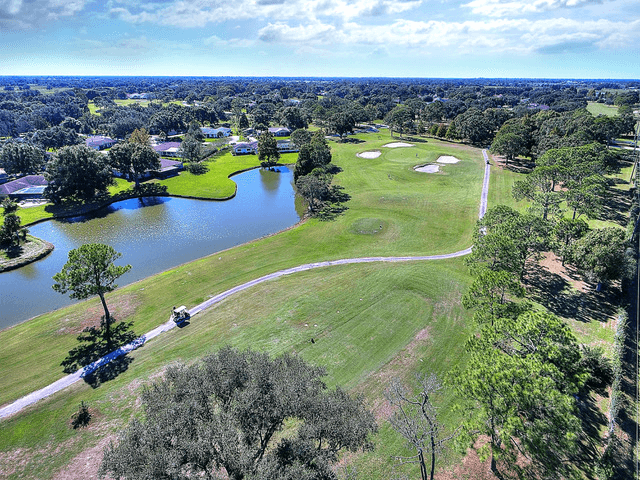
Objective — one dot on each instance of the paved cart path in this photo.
(170, 324)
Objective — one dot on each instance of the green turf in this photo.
(369, 322)
(601, 109)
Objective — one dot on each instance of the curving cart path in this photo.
(74, 377)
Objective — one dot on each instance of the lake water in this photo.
(153, 234)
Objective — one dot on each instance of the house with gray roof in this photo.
(31, 186)
(245, 148)
(168, 149)
(219, 132)
(98, 142)
(279, 131)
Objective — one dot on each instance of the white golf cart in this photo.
(180, 314)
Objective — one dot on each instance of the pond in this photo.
(153, 234)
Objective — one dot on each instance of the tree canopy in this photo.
(133, 159)
(268, 152)
(21, 157)
(77, 172)
(229, 412)
(90, 271)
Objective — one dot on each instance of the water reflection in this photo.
(270, 179)
(153, 235)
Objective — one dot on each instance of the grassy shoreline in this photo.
(33, 249)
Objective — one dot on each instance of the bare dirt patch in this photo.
(397, 145)
(447, 159)
(120, 308)
(431, 168)
(553, 264)
(397, 367)
(86, 464)
(370, 154)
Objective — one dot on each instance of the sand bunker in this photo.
(447, 159)
(398, 144)
(371, 154)
(427, 168)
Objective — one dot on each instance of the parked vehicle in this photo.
(180, 314)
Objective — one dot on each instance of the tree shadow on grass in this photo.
(593, 420)
(107, 372)
(351, 140)
(14, 252)
(104, 363)
(552, 291)
(335, 204)
(616, 206)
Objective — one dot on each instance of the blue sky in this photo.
(359, 38)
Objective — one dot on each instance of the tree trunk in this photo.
(107, 323)
(423, 467)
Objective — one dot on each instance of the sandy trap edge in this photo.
(429, 168)
(397, 144)
(447, 159)
(369, 154)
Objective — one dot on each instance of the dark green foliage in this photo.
(228, 412)
(341, 123)
(506, 239)
(293, 118)
(11, 231)
(314, 189)
(600, 254)
(566, 231)
(82, 418)
(491, 295)
(134, 159)
(77, 172)
(301, 136)
(197, 168)
(520, 383)
(599, 368)
(313, 154)
(268, 152)
(401, 120)
(191, 149)
(21, 157)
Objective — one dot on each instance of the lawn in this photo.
(596, 109)
(369, 322)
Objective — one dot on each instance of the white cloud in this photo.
(232, 42)
(518, 36)
(19, 14)
(498, 8)
(198, 13)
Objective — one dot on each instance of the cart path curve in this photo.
(69, 380)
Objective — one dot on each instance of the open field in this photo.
(601, 109)
(369, 322)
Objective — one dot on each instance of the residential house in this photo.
(219, 132)
(3, 176)
(168, 149)
(98, 142)
(286, 146)
(245, 148)
(168, 168)
(279, 131)
(31, 186)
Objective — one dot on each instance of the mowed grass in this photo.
(369, 322)
(596, 109)
(360, 318)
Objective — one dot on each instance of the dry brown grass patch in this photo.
(120, 307)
